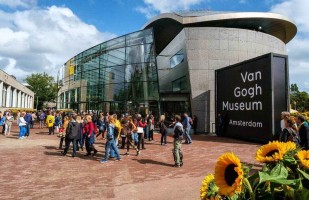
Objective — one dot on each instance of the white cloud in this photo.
(42, 39)
(298, 50)
(153, 6)
(19, 3)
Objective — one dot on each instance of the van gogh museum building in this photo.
(169, 65)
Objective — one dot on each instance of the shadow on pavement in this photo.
(50, 147)
(148, 161)
(42, 133)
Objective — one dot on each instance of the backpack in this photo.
(73, 130)
(178, 132)
(110, 132)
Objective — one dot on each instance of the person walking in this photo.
(8, 124)
(178, 135)
(71, 135)
(110, 142)
(50, 120)
(128, 129)
(89, 131)
(22, 126)
(187, 127)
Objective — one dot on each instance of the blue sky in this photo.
(41, 35)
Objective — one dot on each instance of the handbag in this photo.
(140, 130)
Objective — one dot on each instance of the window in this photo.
(177, 59)
(180, 84)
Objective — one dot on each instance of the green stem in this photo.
(248, 186)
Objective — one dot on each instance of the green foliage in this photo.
(299, 100)
(44, 87)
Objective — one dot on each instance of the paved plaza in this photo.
(34, 169)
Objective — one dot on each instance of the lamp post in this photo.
(37, 101)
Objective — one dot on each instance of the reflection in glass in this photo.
(117, 74)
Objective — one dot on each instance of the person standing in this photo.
(8, 124)
(151, 127)
(42, 119)
(2, 122)
(194, 124)
(303, 132)
(110, 142)
(163, 129)
(64, 127)
(178, 135)
(50, 120)
(289, 133)
(71, 135)
(28, 119)
(58, 122)
(187, 127)
(140, 131)
(22, 126)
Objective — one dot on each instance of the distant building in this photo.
(13, 94)
(169, 66)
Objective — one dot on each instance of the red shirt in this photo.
(89, 128)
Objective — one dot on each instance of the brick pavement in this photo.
(34, 169)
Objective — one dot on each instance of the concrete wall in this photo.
(13, 94)
(209, 49)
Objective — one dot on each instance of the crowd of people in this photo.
(124, 131)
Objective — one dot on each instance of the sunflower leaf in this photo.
(278, 175)
(306, 176)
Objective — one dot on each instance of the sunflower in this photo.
(303, 157)
(228, 174)
(205, 186)
(289, 146)
(272, 152)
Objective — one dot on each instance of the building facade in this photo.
(13, 94)
(181, 52)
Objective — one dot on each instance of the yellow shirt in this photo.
(119, 127)
(50, 120)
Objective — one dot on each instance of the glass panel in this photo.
(177, 59)
(180, 84)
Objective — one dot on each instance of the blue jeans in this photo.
(111, 144)
(89, 143)
(27, 129)
(188, 137)
(22, 131)
(146, 132)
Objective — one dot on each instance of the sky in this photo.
(41, 35)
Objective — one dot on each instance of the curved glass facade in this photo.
(117, 75)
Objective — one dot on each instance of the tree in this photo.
(44, 87)
(299, 100)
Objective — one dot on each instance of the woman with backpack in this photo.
(110, 141)
(289, 133)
